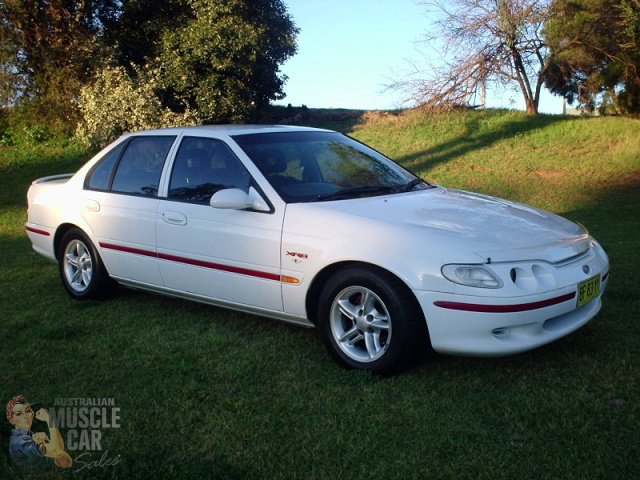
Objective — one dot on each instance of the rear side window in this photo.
(100, 176)
(138, 164)
(139, 169)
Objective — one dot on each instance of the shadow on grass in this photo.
(471, 140)
(613, 218)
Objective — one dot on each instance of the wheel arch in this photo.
(318, 282)
(59, 235)
(100, 285)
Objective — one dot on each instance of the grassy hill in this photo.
(205, 392)
(554, 162)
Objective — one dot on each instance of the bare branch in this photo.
(481, 41)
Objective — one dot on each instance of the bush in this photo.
(31, 122)
(117, 103)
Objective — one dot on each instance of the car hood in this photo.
(495, 230)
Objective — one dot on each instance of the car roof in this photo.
(229, 129)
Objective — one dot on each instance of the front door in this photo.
(227, 255)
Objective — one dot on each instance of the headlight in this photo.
(471, 276)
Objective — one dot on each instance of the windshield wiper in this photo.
(354, 191)
(408, 186)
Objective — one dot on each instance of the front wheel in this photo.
(370, 320)
(82, 272)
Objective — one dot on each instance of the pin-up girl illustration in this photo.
(30, 452)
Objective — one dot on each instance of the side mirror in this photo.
(236, 199)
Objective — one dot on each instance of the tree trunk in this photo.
(532, 106)
(530, 100)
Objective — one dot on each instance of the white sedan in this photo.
(312, 227)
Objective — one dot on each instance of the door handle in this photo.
(174, 218)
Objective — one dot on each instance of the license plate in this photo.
(588, 290)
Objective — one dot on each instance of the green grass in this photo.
(208, 393)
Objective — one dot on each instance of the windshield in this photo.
(320, 166)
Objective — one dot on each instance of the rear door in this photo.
(121, 203)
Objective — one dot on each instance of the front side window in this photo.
(141, 165)
(202, 167)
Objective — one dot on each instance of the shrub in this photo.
(117, 102)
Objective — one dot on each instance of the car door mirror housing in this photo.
(236, 199)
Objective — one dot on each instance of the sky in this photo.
(348, 50)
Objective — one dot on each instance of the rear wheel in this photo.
(370, 320)
(82, 272)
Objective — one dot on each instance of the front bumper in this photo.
(494, 326)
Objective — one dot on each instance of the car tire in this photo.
(368, 319)
(83, 274)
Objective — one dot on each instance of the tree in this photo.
(48, 50)
(482, 42)
(595, 53)
(9, 77)
(219, 57)
(137, 30)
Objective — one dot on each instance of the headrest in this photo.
(196, 157)
(273, 161)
